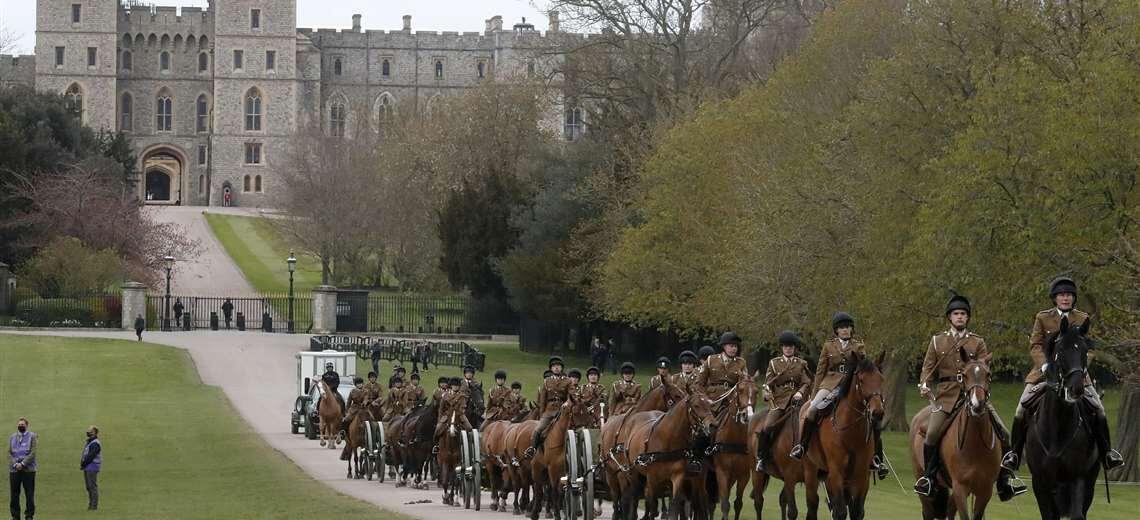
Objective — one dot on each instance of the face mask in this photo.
(22, 428)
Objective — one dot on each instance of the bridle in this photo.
(863, 412)
(983, 384)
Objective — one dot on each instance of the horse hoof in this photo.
(322, 443)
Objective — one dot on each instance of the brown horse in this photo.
(496, 461)
(845, 443)
(780, 465)
(612, 451)
(447, 458)
(394, 449)
(660, 445)
(354, 441)
(330, 413)
(516, 440)
(731, 461)
(415, 439)
(969, 448)
(548, 465)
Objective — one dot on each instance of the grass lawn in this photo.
(260, 252)
(886, 500)
(173, 447)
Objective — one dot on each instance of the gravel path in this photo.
(258, 372)
(213, 273)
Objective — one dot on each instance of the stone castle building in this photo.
(211, 98)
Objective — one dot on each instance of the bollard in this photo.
(213, 321)
(241, 321)
(186, 321)
(266, 322)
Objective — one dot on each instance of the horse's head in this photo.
(662, 397)
(745, 399)
(976, 382)
(867, 382)
(578, 412)
(700, 409)
(1067, 352)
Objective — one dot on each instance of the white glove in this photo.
(798, 396)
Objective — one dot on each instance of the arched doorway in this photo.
(162, 168)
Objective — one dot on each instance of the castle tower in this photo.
(75, 55)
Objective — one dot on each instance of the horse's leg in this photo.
(759, 484)
(982, 498)
(1043, 492)
(811, 491)
(723, 481)
(1077, 499)
(742, 480)
(836, 494)
(788, 510)
(537, 497)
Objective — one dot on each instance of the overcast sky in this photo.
(19, 16)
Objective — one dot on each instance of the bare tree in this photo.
(7, 40)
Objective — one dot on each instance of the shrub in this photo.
(55, 312)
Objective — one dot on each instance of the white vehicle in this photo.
(310, 367)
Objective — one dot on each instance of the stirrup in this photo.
(1113, 459)
(797, 452)
(529, 452)
(1010, 461)
(1011, 488)
(435, 450)
(924, 486)
(761, 466)
(882, 470)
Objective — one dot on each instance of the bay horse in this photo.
(394, 449)
(548, 465)
(516, 440)
(415, 438)
(330, 413)
(496, 462)
(354, 441)
(1060, 448)
(969, 450)
(780, 465)
(612, 451)
(447, 458)
(845, 443)
(660, 445)
(729, 449)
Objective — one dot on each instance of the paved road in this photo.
(213, 273)
(258, 372)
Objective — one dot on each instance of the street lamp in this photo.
(168, 261)
(292, 262)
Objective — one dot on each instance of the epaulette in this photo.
(1046, 312)
(968, 333)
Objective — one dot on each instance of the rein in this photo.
(650, 457)
(862, 415)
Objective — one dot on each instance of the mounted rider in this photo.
(442, 386)
(786, 383)
(1063, 292)
(555, 390)
(686, 379)
(357, 400)
(703, 354)
(941, 383)
(476, 404)
(836, 359)
(393, 405)
(593, 396)
(332, 380)
(497, 399)
(412, 396)
(626, 391)
(722, 371)
(452, 409)
(372, 387)
(397, 371)
(515, 403)
(662, 373)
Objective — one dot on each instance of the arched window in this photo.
(253, 110)
(164, 113)
(385, 109)
(126, 115)
(336, 118)
(74, 97)
(438, 69)
(338, 67)
(385, 68)
(201, 184)
(164, 61)
(202, 114)
(257, 183)
(481, 68)
(127, 58)
(572, 126)
(530, 68)
(245, 184)
(203, 62)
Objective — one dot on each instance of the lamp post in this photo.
(169, 263)
(292, 262)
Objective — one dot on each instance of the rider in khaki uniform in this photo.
(452, 408)
(413, 394)
(626, 391)
(686, 379)
(516, 403)
(1063, 292)
(393, 404)
(835, 359)
(941, 383)
(785, 384)
(372, 387)
(357, 400)
(593, 395)
(497, 399)
(703, 354)
(662, 373)
(555, 390)
(722, 371)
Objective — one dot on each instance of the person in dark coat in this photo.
(140, 324)
(90, 463)
(22, 469)
(178, 308)
(228, 311)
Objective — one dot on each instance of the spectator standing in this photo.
(91, 462)
(376, 353)
(228, 311)
(22, 469)
(140, 324)
(178, 308)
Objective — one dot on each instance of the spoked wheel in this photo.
(381, 466)
(477, 469)
(464, 477)
(369, 453)
(571, 492)
(586, 474)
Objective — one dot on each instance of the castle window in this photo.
(245, 180)
(338, 67)
(202, 153)
(481, 68)
(438, 69)
(239, 57)
(252, 156)
(385, 69)
(74, 99)
(76, 13)
(530, 68)
(91, 56)
(270, 60)
(201, 184)
(164, 113)
(385, 109)
(255, 19)
(202, 114)
(164, 61)
(127, 60)
(59, 56)
(572, 127)
(253, 110)
(126, 117)
(257, 183)
(337, 119)
(203, 62)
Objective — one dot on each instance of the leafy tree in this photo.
(65, 268)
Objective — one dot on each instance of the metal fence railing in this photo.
(436, 315)
(266, 312)
(438, 353)
(97, 309)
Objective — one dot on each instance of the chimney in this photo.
(496, 23)
(553, 25)
(488, 27)
(356, 23)
(407, 23)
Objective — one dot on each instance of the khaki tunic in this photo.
(410, 397)
(943, 364)
(373, 391)
(624, 396)
(392, 405)
(593, 395)
(686, 382)
(555, 391)
(1045, 323)
(497, 402)
(785, 377)
(720, 374)
(655, 381)
(834, 362)
(356, 400)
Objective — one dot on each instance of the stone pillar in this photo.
(356, 23)
(324, 309)
(134, 304)
(553, 21)
(407, 23)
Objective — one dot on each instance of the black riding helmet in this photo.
(546, 374)
(574, 372)
(628, 368)
(415, 376)
(687, 356)
(397, 380)
(839, 319)
(443, 381)
(357, 380)
(555, 360)
(455, 381)
(593, 370)
(500, 374)
(516, 386)
(958, 303)
(729, 337)
(705, 352)
(371, 375)
(662, 362)
(788, 337)
(1062, 284)
(468, 369)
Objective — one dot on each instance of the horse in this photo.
(729, 450)
(660, 445)
(969, 449)
(354, 441)
(612, 451)
(416, 437)
(780, 465)
(548, 464)
(1061, 450)
(447, 457)
(394, 449)
(330, 413)
(845, 443)
(515, 442)
(495, 460)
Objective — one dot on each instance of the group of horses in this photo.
(696, 451)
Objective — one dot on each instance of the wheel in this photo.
(465, 479)
(369, 449)
(571, 494)
(381, 466)
(477, 467)
(310, 429)
(293, 428)
(366, 464)
(587, 475)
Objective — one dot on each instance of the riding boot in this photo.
(1008, 485)
(925, 484)
(1012, 458)
(537, 437)
(763, 442)
(805, 440)
(879, 462)
(1112, 458)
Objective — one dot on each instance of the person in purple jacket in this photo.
(91, 462)
(22, 469)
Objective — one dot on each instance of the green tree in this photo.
(65, 268)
